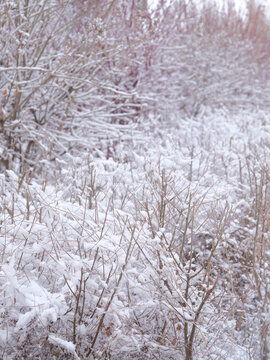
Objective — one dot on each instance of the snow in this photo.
(66, 345)
(115, 238)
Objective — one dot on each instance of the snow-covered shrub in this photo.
(134, 208)
(68, 78)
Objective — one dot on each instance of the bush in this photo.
(134, 200)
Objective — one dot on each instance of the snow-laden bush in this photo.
(134, 208)
(80, 76)
(163, 256)
(68, 78)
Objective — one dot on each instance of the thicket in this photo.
(134, 156)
